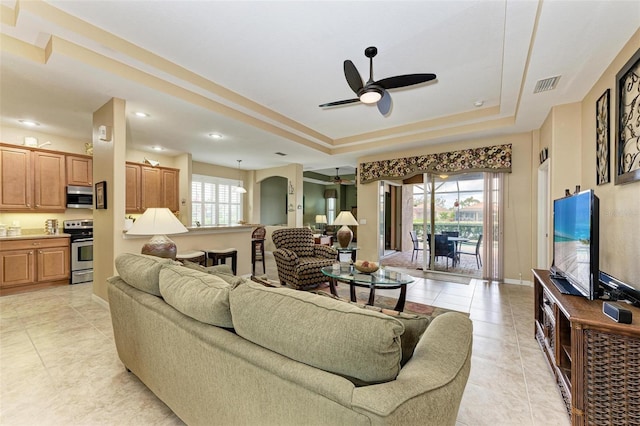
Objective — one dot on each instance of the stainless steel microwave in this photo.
(79, 197)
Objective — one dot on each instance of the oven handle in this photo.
(82, 240)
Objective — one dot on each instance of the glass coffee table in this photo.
(381, 279)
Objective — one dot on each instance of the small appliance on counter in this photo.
(51, 227)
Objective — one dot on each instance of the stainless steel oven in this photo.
(81, 232)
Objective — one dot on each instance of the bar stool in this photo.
(219, 256)
(194, 256)
(257, 248)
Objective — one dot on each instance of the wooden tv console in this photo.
(596, 361)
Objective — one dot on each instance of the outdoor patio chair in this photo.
(416, 245)
(475, 253)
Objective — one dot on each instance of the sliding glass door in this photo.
(452, 221)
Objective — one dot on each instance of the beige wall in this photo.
(619, 204)
(16, 135)
(108, 166)
(518, 223)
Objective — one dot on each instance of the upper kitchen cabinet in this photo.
(32, 180)
(79, 170)
(170, 179)
(151, 187)
(133, 185)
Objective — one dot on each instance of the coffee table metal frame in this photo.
(381, 279)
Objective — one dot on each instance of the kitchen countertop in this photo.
(201, 230)
(34, 236)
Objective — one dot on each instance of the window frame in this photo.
(225, 209)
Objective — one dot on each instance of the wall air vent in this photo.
(282, 154)
(546, 84)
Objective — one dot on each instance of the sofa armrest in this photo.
(429, 388)
(324, 251)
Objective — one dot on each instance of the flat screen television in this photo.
(576, 225)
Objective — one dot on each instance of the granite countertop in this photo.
(32, 234)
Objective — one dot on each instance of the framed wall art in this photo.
(628, 121)
(101, 195)
(602, 139)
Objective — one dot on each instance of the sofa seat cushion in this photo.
(356, 343)
(142, 271)
(201, 296)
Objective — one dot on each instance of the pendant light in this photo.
(240, 188)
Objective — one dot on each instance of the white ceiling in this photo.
(256, 72)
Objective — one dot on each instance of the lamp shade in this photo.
(158, 222)
(345, 218)
(321, 218)
(344, 234)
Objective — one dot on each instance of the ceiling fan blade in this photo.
(384, 104)
(404, 80)
(336, 103)
(353, 76)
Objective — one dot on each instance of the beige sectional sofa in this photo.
(218, 349)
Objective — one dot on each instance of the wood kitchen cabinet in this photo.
(133, 186)
(151, 187)
(32, 180)
(170, 179)
(79, 170)
(33, 263)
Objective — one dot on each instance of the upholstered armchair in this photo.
(299, 259)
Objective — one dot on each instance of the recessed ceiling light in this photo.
(29, 123)
(157, 148)
(215, 135)
(478, 103)
(141, 114)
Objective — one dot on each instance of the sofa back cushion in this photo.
(202, 296)
(141, 271)
(221, 271)
(414, 325)
(359, 344)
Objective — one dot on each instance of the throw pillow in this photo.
(358, 344)
(204, 297)
(414, 325)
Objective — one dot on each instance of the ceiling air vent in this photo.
(546, 84)
(282, 154)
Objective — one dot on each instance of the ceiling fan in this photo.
(338, 180)
(376, 91)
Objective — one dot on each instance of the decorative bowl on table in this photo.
(365, 266)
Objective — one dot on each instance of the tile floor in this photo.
(58, 363)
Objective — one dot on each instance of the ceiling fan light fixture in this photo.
(371, 96)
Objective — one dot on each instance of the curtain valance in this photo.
(495, 159)
(330, 193)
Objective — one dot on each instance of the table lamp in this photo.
(158, 222)
(344, 234)
(321, 219)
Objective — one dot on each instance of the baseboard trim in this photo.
(519, 282)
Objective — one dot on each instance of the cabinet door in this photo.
(18, 268)
(151, 187)
(15, 182)
(132, 202)
(79, 171)
(50, 179)
(53, 263)
(170, 189)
